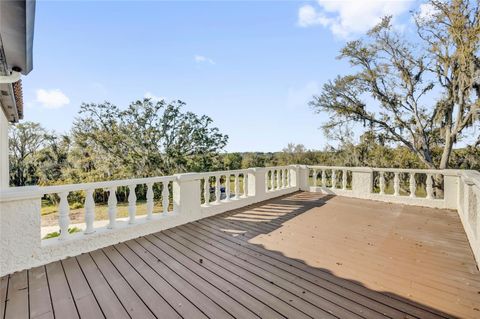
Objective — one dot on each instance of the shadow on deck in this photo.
(298, 256)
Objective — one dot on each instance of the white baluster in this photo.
(324, 178)
(149, 200)
(165, 197)
(245, 185)
(281, 178)
(206, 191)
(217, 189)
(382, 183)
(334, 178)
(112, 207)
(396, 185)
(288, 177)
(227, 187)
(314, 178)
(89, 211)
(413, 185)
(63, 215)
(344, 179)
(132, 204)
(272, 180)
(237, 186)
(429, 186)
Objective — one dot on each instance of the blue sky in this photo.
(252, 66)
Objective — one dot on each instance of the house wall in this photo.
(4, 168)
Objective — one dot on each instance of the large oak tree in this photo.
(421, 92)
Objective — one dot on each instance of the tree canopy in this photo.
(423, 93)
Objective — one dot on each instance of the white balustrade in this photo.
(132, 204)
(461, 191)
(89, 211)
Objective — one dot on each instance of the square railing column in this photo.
(362, 182)
(20, 229)
(256, 183)
(187, 197)
(302, 175)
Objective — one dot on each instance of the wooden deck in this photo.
(299, 256)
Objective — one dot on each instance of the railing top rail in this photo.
(219, 173)
(105, 184)
(393, 170)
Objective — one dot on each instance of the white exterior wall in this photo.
(4, 168)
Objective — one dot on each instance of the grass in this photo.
(54, 234)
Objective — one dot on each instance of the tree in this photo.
(25, 141)
(232, 161)
(145, 139)
(426, 92)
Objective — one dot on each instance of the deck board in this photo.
(304, 255)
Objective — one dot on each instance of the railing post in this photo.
(362, 182)
(450, 185)
(186, 196)
(302, 178)
(256, 182)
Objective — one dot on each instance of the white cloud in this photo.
(345, 18)
(154, 98)
(299, 97)
(52, 99)
(426, 12)
(203, 59)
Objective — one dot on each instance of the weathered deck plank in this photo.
(304, 255)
